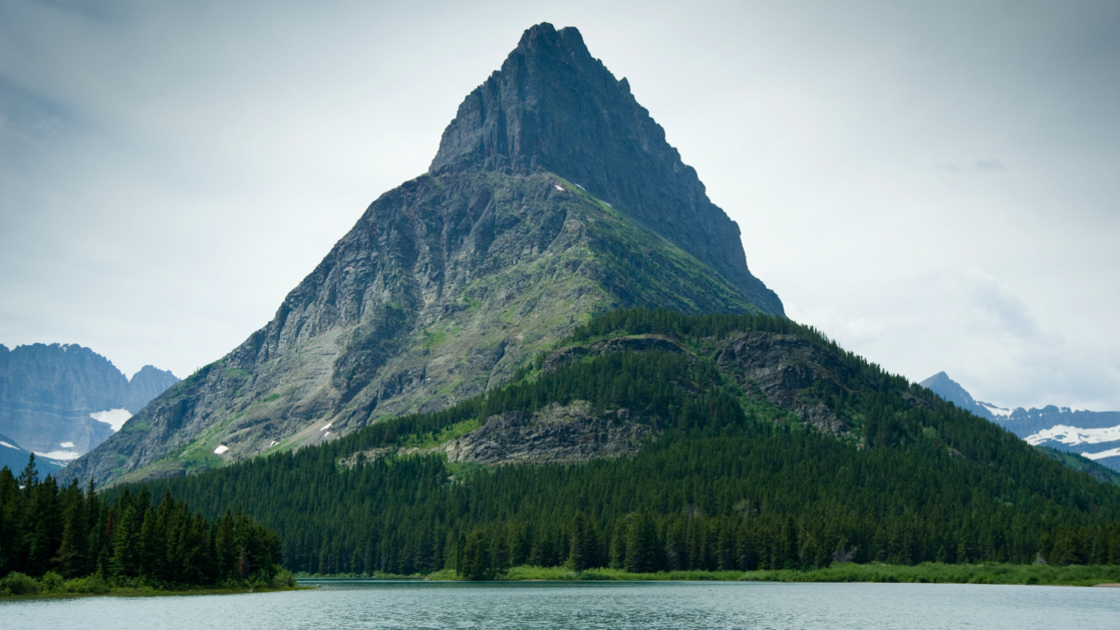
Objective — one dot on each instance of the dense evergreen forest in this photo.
(729, 481)
(70, 534)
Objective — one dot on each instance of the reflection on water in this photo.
(660, 605)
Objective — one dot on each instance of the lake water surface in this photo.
(656, 605)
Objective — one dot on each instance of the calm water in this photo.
(346, 604)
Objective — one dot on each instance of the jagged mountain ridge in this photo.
(452, 281)
(1094, 435)
(47, 393)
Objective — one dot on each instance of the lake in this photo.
(355, 604)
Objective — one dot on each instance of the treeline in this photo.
(67, 533)
(730, 482)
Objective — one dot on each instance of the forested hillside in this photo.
(767, 446)
(67, 534)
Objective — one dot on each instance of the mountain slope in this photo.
(651, 440)
(449, 283)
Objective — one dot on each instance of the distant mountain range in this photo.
(61, 401)
(1094, 435)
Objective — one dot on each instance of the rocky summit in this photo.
(553, 197)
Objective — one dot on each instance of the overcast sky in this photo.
(934, 185)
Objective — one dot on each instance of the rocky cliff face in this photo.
(560, 434)
(47, 393)
(452, 281)
(554, 107)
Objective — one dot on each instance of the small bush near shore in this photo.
(16, 583)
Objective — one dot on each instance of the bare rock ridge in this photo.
(450, 282)
(554, 107)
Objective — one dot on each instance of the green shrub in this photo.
(282, 579)
(16, 583)
(51, 581)
(90, 584)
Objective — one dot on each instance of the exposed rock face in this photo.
(145, 385)
(47, 394)
(560, 434)
(449, 283)
(780, 366)
(554, 107)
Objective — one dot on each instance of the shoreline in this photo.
(926, 573)
(151, 592)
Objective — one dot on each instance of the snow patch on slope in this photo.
(63, 456)
(112, 417)
(1112, 452)
(1074, 435)
(998, 412)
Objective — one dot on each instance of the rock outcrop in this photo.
(559, 434)
(780, 367)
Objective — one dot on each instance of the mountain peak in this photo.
(952, 391)
(553, 107)
(544, 37)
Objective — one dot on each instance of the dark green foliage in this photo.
(55, 534)
(731, 482)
